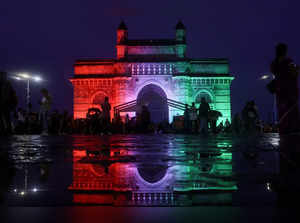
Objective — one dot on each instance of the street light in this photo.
(271, 76)
(27, 77)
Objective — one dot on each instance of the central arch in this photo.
(155, 99)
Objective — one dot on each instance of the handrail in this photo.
(125, 103)
(170, 102)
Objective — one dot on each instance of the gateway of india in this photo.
(152, 72)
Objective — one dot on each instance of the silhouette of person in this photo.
(106, 110)
(203, 115)
(285, 86)
(213, 117)
(8, 103)
(250, 116)
(45, 105)
(186, 120)
(106, 107)
(193, 117)
(237, 124)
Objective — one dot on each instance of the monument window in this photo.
(98, 100)
(203, 95)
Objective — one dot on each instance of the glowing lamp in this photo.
(24, 75)
(37, 78)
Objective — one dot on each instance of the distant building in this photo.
(152, 72)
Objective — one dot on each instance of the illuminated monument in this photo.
(152, 72)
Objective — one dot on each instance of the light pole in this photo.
(266, 77)
(26, 77)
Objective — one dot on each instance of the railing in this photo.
(125, 106)
(132, 106)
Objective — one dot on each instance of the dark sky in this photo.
(46, 37)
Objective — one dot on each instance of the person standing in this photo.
(8, 103)
(45, 105)
(285, 87)
(203, 115)
(193, 118)
(106, 113)
(186, 120)
(237, 124)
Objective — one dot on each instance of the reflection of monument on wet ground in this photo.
(174, 175)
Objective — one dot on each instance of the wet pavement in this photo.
(134, 171)
(142, 170)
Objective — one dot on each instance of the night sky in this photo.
(46, 37)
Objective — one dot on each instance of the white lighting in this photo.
(17, 78)
(24, 75)
(34, 190)
(37, 78)
(15, 190)
(264, 77)
(22, 193)
(269, 187)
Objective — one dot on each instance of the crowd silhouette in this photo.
(201, 120)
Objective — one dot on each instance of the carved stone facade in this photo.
(159, 62)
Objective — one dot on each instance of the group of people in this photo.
(13, 120)
(201, 120)
(197, 119)
(8, 104)
(204, 120)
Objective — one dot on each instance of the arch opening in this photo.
(97, 100)
(155, 99)
(152, 173)
(207, 96)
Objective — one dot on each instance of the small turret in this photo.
(180, 32)
(122, 36)
(180, 40)
(122, 33)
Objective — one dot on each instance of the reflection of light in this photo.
(17, 78)
(274, 141)
(224, 145)
(264, 77)
(269, 187)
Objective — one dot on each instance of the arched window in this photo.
(203, 95)
(98, 100)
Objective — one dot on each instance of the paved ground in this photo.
(159, 176)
